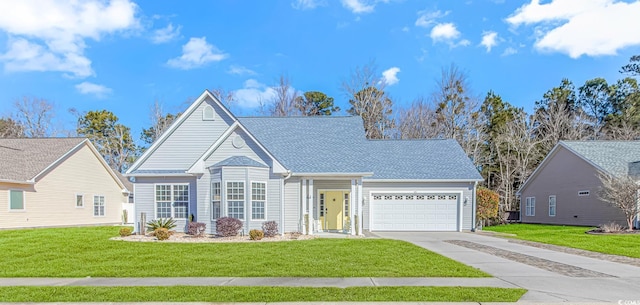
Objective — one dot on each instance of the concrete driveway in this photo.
(550, 276)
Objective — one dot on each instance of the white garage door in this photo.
(414, 212)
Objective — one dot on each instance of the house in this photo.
(49, 182)
(564, 188)
(309, 174)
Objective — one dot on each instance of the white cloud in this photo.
(99, 91)
(390, 76)
(307, 4)
(581, 27)
(427, 18)
(166, 34)
(253, 94)
(196, 53)
(359, 6)
(509, 51)
(51, 35)
(444, 32)
(240, 70)
(489, 40)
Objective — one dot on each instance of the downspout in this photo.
(473, 207)
(282, 201)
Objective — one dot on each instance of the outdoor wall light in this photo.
(466, 199)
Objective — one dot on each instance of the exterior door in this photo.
(333, 210)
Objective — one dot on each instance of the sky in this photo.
(124, 55)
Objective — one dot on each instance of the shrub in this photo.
(227, 226)
(124, 232)
(611, 228)
(166, 223)
(270, 228)
(162, 233)
(256, 234)
(488, 203)
(196, 228)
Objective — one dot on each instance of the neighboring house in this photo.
(128, 208)
(564, 188)
(309, 174)
(49, 182)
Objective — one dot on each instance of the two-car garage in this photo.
(415, 211)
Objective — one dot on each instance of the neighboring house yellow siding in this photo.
(52, 200)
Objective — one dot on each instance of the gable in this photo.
(561, 167)
(188, 137)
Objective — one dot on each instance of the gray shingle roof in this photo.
(22, 159)
(239, 161)
(419, 159)
(311, 144)
(612, 156)
(339, 145)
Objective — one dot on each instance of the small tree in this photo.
(622, 193)
(488, 202)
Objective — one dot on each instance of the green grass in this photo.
(81, 252)
(256, 294)
(574, 237)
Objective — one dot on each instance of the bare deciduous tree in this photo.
(417, 122)
(622, 193)
(35, 115)
(283, 103)
(370, 101)
(227, 98)
(159, 123)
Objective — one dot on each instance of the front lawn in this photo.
(257, 294)
(81, 252)
(574, 237)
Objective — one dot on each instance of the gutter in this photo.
(28, 182)
(361, 174)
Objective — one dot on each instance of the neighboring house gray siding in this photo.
(144, 198)
(187, 143)
(292, 205)
(466, 188)
(563, 175)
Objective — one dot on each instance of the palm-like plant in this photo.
(166, 223)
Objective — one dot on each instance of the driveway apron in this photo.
(549, 276)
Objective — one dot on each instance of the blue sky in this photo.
(123, 55)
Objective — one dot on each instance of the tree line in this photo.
(504, 141)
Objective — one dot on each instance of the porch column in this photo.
(352, 203)
(360, 204)
(311, 214)
(303, 206)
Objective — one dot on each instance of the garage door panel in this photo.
(415, 212)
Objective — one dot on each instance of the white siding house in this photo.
(309, 174)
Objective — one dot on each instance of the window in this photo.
(235, 199)
(346, 204)
(16, 200)
(322, 204)
(215, 200)
(172, 200)
(258, 200)
(530, 206)
(583, 193)
(207, 113)
(79, 201)
(552, 205)
(98, 205)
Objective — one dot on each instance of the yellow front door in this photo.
(334, 205)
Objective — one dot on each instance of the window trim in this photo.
(244, 200)
(530, 204)
(555, 206)
(204, 112)
(24, 201)
(80, 206)
(173, 214)
(219, 182)
(104, 205)
(264, 201)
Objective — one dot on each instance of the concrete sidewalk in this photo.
(549, 276)
(258, 281)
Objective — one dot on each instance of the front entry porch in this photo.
(331, 205)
